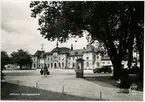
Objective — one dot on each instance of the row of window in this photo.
(55, 58)
(51, 65)
(106, 62)
(73, 58)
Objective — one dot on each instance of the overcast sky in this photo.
(19, 30)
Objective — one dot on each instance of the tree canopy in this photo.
(21, 58)
(5, 59)
(115, 24)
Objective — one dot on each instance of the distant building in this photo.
(62, 57)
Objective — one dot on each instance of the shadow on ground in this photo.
(108, 81)
(105, 81)
(8, 90)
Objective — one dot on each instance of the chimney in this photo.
(71, 46)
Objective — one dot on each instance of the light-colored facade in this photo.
(62, 57)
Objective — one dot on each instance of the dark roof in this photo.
(89, 48)
(77, 52)
(61, 50)
(48, 53)
(38, 53)
(105, 58)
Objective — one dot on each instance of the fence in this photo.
(63, 89)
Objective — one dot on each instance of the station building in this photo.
(65, 58)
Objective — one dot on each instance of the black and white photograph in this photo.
(72, 50)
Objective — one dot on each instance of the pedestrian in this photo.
(41, 71)
(46, 72)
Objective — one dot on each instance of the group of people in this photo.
(44, 71)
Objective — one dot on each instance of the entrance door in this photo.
(55, 65)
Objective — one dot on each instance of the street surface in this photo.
(63, 80)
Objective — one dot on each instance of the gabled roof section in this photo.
(38, 53)
(48, 53)
(77, 52)
(105, 57)
(61, 50)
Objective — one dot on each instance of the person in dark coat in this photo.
(41, 72)
(46, 72)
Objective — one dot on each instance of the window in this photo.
(87, 64)
(103, 62)
(51, 65)
(73, 58)
(97, 57)
(108, 62)
(62, 64)
(98, 64)
(59, 58)
(48, 58)
(73, 64)
(59, 65)
(87, 58)
(48, 65)
(51, 58)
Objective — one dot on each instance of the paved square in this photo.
(64, 80)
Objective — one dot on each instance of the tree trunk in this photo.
(117, 68)
(115, 59)
(130, 49)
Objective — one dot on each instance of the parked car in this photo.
(105, 69)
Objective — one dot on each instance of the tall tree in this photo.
(22, 58)
(4, 61)
(107, 22)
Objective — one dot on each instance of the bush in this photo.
(134, 70)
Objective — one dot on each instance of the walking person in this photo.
(45, 70)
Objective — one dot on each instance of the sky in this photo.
(19, 30)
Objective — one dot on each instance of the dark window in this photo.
(76, 53)
(98, 64)
(62, 64)
(73, 58)
(51, 65)
(73, 65)
(87, 64)
(59, 64)
(87, 57)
